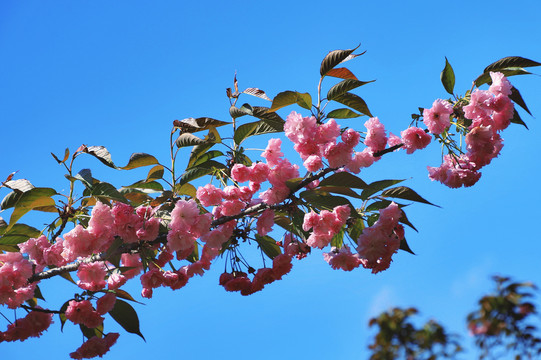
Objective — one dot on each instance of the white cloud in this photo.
(383, 300)
(473, 279)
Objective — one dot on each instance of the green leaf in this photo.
(334, 58)
(90, 333)
(404, 246)
(67, 276)
(338, 239)
(345, 86)
(511, 61)
(192, 125)
(100, 153)
(186, 189)
(188, 139)
(155, 173)
(254, 128)
(124, 314)
(197, 152)
(85, 176)
(484, 78)
(353, 101)
(377, 186)
(268, 246)
(344, 179)
(304, 100)
(36, 198)
(448, 77)
(10, 200)
(66, 156)
(62, 316)
(356, 229)
(293, 184)
(342, 113)
(207, 156)
(125, 295)
(203, 169)
(136, 197)
(151, 186)
(245, 109)
(378, 205)
(343, 190)
(287, 98)
(103, 190)
(324, 202)
(403, 192)
(270, 117)
(517, 98)
(515, 120)
(18, 233)
(139, 160)
(404, 220)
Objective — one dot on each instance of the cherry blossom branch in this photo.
(26, 307)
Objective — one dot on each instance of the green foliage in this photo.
(502, 323)
(399, 338)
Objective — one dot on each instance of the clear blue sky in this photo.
(118, 73)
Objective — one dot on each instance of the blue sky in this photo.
(118, 73)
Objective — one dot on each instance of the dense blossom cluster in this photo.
(489, 111)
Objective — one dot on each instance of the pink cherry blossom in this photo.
(184, 215)
(300, 129)
(95, 346)
(265, 222)
(342, 259)
(394, 140)
(281, 265)
(101, 226)
(375, 139)
(415, 138)
(455, 172)
(240, 173)
(480, 108)
(32, 325)
(209, 195)
(105, 303)
(327, 132)
(259, 172)
(273, 153)
(14, 272)
(126, 222)
(360, 160)
(500, 84)
(313, 163)
(82, 312)
(437, 118)
(92, 276)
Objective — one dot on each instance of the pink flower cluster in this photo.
(489, 111)
(15, 271)
(106, 223)
(325, 225)
(379, 242)
(316, 142)
(276, 170)
(95, 346)
(32, 325)
(342, 258)
(239, 281)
